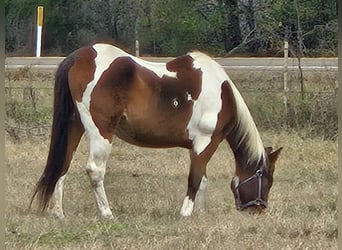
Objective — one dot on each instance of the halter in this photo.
(258, 201)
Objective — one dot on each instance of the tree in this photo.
(310, 26)
(172, 27)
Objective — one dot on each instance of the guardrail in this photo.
(233, 63)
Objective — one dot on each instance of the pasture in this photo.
(146, 187)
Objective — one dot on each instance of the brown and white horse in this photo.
(189, 102)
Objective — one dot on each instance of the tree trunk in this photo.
(232, 34)
(250, 15)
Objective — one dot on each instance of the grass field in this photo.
(146, 188)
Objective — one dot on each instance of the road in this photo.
(233, 63)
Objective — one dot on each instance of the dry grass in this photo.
(146, 187)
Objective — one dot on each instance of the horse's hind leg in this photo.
(100, 149)
(76, 131)
(55, 205)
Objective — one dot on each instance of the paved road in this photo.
(233, 63)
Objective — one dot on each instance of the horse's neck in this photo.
(244, 138)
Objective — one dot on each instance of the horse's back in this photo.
(130, 97)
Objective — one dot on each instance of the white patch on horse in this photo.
(208, 105)
(189, 97)
(200, 196)
(102, 62)
(187, 207)
(56, 203)
(114, 52)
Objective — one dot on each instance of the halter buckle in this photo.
(258, 172)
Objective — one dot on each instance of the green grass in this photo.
(24, 113)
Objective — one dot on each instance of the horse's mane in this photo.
(247, 135)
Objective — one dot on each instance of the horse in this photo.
(189, 102)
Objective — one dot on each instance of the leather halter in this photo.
(258, 201)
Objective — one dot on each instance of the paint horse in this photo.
(189, 102)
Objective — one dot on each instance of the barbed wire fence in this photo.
(310, 111)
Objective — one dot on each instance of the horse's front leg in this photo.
(197, 185)
(197, 180)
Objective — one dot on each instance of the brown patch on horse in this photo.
(107, 105)
(187, 74)
(182, 62)
(82, 71)
(227, 116)
(157, 110)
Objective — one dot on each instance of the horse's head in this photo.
(251, 186)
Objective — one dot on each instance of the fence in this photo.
(310, 107)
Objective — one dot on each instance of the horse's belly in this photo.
(143, 136)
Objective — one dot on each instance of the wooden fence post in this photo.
(286, 89)
(137, 49)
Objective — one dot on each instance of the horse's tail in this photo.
(64, 110)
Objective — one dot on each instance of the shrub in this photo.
(315, 115)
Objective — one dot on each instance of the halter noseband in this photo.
(258, 201)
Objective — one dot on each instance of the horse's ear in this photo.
(268, 150)
(181, 62)
(273, 158)
(274, 155)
